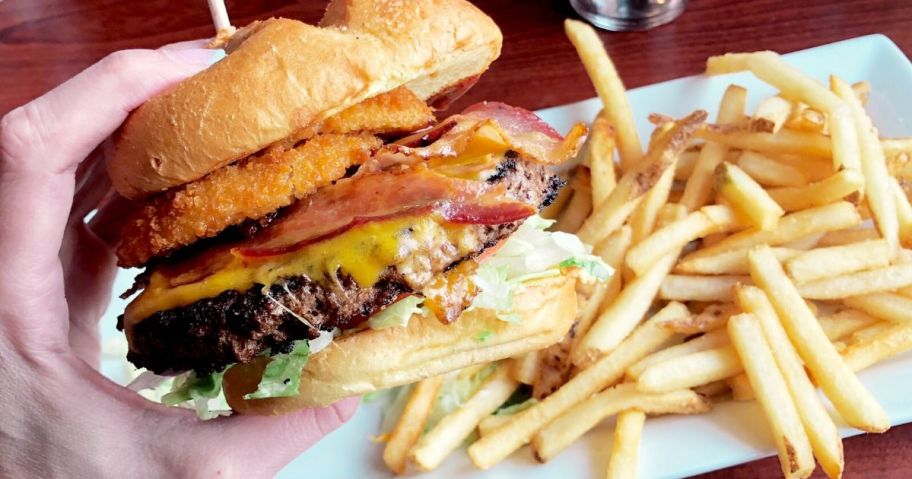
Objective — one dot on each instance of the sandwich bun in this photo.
(283, 77)
(372, 360)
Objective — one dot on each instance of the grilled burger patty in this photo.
(236, 326)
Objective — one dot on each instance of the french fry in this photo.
(700, 288)
(771, 114)
(711, 340)
(411, 424)
(625, 449)
(610, 89)
(838, 260)
(769, 172)
(862, 91)
(803, 117)
(813, 168)
(691, 370)
(580, 204)
(896, 146)
(838, 325)
(903, 213)
(878, 280)
(525, 367)
(643, 219)
(888, 343)
(573, 423)
(888, 306)
(673, 237)
(729, 262)
(819, 426)
(612, 251)
(824, 192)
(687, 161)
(869, 332)
(699, 186)
(710, 319)
(785, 141)
(855, 404)
(848, 236)
(602, 142)
(604, 372)
(713, 389)
(793, 84)
(450, 432)
(806, 243)
(791, 227)
(741, 388)
(795, 454)
(747, 197)
(873, 166)
(490, 423)
(623, 314)
(611, 213)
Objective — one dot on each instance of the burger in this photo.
(309, 231)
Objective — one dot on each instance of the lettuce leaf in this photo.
(282, 376)
(456, 389)
(189, 388)
(531, 253)
(397, 314)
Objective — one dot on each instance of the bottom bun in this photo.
(371, 360)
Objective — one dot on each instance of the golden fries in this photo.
(849, 236)
(525, 367)
(838, 260)
(884, 345)
(791, 227)
(729, 262)
(766, 379)
(888, 306)
(611, 213)
(602, 142)
(568, 427)
(843, 323)
(820, 428)
(865, 282)
(829, 190)
(626, 446)
(610, 89)
(699, 185)
(873, 166)
(604, 372)
(411, 424)
(673, 237)
(771, 114)
(690, 370)
(854, 403)
(769, 172)
(747, 197)
(785, 141)
(711, 318)
(449, 433)
(700, 288)
(580, 204)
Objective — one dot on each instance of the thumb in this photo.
(41, 145)
(263, 445)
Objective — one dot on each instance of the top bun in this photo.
(282, 77)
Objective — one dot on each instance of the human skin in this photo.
(58, 415)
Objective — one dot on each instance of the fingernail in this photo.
(198, 57)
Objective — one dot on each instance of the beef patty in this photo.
(236, 326)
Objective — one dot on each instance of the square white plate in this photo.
(673, 446)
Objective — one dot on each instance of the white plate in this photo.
(673, 446)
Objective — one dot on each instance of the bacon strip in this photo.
(362, 199)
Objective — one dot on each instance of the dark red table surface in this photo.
(43, 42)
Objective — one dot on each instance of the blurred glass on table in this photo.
(622, 15)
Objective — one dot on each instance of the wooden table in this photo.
(43, 42)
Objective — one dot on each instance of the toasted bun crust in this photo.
(283, 76)
(372, 360)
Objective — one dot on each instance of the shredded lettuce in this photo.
(282, 376)
(397, 314)
(531, 253)
(197, 391)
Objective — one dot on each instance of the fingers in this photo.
(265, 444)
(41, 145)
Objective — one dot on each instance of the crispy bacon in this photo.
(365, 198)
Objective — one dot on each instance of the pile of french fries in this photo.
(762, 256)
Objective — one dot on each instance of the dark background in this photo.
(43, 42)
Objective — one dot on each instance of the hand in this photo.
(60, 416)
